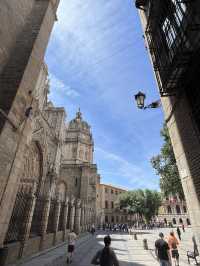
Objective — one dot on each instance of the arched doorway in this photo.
(188, 221)
(174, 221)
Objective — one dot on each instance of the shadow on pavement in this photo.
(113, 239)
(126, 263)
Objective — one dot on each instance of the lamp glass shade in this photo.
(140, 98)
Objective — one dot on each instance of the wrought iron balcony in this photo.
(173, 36)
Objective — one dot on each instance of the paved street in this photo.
(130, 252)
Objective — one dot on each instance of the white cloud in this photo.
(121, 168)
(60, 87)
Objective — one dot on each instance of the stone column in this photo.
(56, 217)
(65, 218)
(82, 218)
(45, 218)
(72, 215)
(49, 185)
(87, 217)
(77, 216)
(26, 223)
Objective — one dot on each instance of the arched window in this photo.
(188, 221)
(169, 210)
(180, 221)
(178, 210)
(184, 209)
(106, 219)
(106, 204)
(174, 221)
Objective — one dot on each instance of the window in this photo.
(188, 221)
(178, 210)
(112, 219)
(180, 10)
(172, 23)
(76, 182)
(184, 209)
(106, 219)
(174, 221)
(169, 31)
(111, 191)
(117, 219)
(106, 204)
(169, 210)
(106, 190)
(112, 204)
(116, 192)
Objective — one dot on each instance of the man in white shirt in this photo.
(71, 245)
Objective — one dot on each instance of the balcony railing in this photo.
(173, 36)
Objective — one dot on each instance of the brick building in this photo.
(172, 35)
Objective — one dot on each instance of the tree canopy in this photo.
(165, 166)
(145, 203)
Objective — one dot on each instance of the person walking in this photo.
(178, 233)
(105, 256)
(162, 251)
(71, 245)
(183, 227)
(173, 244)
(93, 229)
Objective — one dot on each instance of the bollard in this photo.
(135, 236)
(145, 244)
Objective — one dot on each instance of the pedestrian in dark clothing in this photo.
(178, 233)
(105, 256)
(163, 251)
(183, 227)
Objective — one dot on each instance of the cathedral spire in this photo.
(79, 114)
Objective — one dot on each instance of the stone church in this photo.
(48, 182)
(57, 189)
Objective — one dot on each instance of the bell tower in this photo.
(78, 145)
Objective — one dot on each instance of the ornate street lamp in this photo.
(140, 99)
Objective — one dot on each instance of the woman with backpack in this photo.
(105, 256)
(173, 245)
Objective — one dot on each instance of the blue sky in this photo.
(97, 61)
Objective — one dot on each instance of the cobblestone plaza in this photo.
(129, 252)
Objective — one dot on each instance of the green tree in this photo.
(165, 166)
(145, 203)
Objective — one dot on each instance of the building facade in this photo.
(172, 34)
(57, 189)
(110, 207)
(173, 211)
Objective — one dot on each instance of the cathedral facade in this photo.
(58, 187)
